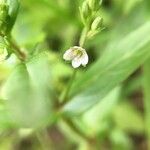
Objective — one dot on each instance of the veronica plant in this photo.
(92, 25)
(43, 98)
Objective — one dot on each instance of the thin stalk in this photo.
(69, 86)
(91, 141)
(146, 86)
(21, 55)
(82, 41)
(75, 129)
(83, 37)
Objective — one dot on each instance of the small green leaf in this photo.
(13, 12)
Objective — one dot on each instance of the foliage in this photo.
(48, 104)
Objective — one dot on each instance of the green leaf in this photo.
(93, 124)
(114, 66)
(120, 140)
(128, 118)
(5, 120)
(28, 93)
(130, 5)
(13, 12)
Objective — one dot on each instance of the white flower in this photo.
(77, 55)
(3, 54)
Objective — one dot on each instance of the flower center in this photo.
(78, 53)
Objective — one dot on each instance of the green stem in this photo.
(146, 85)
(21, 55)
(91, 141)
(83, 37)
(81, 44)
(75, 129)
(69, 86)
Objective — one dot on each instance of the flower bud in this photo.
(94, 4)
(3, 15)
(97, 23)
(85, 10)
(3, 49)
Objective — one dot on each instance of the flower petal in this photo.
(76, 62)
(85, 59)
(68, 55)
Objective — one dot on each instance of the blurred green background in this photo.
(119, 120)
